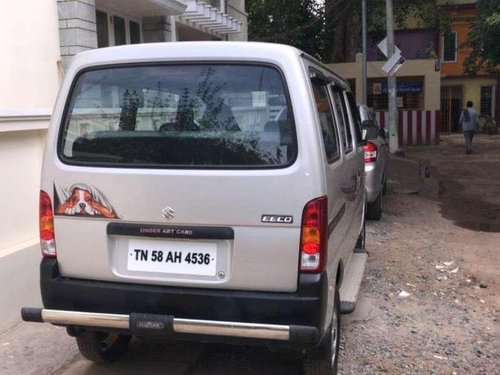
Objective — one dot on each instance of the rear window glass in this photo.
(210, 115)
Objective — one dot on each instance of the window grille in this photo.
(486, 100)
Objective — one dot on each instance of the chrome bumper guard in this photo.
(165, 325)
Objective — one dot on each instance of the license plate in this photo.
(186, 258)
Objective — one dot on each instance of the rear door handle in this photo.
(348, 189)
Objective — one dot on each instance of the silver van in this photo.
(376, 150)
(210, 191)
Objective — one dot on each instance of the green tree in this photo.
(331, 29)
(295, 22)
(484, 39)
(343, 23)
(342, 30)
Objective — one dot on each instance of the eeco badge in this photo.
(278, 219)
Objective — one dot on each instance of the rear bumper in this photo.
(165, 325)
(300, 315)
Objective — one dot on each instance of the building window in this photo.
(116, 30)
(409, 94)
(450, 46)
(119, 29)
(135, 32)
(486, 100)
(102, 29)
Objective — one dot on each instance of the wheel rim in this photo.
(334, 337)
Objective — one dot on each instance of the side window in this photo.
(326, 119)
(358, 129)
(342, 119)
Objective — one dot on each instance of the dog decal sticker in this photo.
(82, 200)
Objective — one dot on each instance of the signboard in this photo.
(382, 46)
(393, 64)
(404, 87)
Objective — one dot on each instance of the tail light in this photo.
(47, 237)
(370, 150)
(313, 243)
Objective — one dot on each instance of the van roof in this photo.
(200, 50)
(192, 50)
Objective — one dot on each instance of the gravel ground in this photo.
(430, 302)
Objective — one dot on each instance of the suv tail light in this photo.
(370, 150)
(47, 237)
(313, 242)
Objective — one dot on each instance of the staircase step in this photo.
(353, 275)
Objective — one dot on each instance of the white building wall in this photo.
(29, 81)
(77, 27)
(236, 9)
(20, 162)
(29, 51)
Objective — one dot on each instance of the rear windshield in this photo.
(204, 115)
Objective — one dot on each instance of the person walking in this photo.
(468, 121)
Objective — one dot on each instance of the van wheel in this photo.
(324, 360)
(374, 209)
(102, 346)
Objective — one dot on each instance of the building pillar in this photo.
(236, 9)
(77, 27)
(158, 29)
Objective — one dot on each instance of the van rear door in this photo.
(180, 174)
(334, 168)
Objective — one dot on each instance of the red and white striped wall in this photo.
(415, 127)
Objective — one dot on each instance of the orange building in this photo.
(456, 87)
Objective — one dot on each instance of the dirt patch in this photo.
(469, 184)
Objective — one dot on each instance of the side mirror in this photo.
(370, 130)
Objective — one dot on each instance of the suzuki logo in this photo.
(168, 213)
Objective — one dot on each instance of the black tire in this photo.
(374, 209)
(324, 360)
(102, 346)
